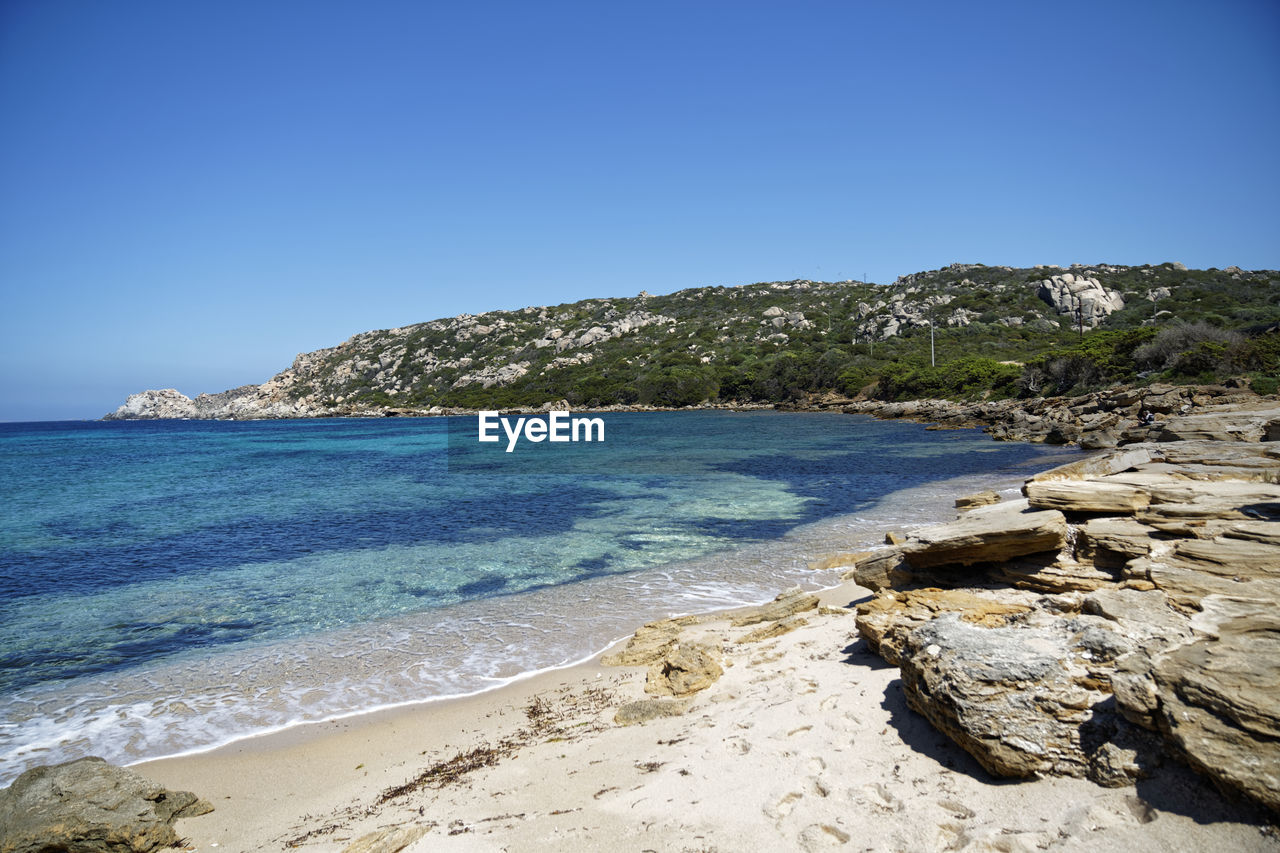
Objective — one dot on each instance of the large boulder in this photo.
(1023, 700)
(89, 806)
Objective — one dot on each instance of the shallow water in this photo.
(169, 586)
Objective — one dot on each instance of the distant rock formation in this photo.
(1125, 609)
(89, 806)
(1083, 299)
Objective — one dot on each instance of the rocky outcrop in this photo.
(1084, 300)
(89, 806)
(1103, 419)
(1146, 626)
(681, 667)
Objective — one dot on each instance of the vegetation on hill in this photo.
(962, 332)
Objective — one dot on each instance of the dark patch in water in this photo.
(486, 585)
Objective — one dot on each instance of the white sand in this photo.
(806, 743)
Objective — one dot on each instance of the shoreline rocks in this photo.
(1136, 620)
(89, 806)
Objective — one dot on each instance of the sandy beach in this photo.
(805, 743)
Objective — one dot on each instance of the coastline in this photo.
(806, 742)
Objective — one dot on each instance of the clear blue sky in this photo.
(192, 192)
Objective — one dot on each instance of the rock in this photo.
(1188, 583)
(773, 629)
(649, 644)
(1054, 574)
(1086, 496)
(987, 534)
(643, 710)
(788, 603)
(1113, 542)
(892, 538)
(886, 619)
(1099, 439)
(1097, 466)
(1217, 701)
(1083, 300)
(1018, 699)
(391, 840)
(837, 560)
(881, 570)
(86, 806)
(684, 670)
(147, 405)
(978, 499)
(1229, 499)
(1225, 423)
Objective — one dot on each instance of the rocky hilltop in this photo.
(768, 342)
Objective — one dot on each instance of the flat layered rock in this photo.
(391, 840)
(1113, 542)
(837, 560)
(1097, 466)
(1188, 582)
(986, 535)
(1225, 423)
(1224, 499)
(788, 603)
(1056, 576)
(771, 630)
(1218, 703)
(1093, 496)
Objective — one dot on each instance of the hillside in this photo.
(998, 332)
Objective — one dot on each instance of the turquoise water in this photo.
(172, 585)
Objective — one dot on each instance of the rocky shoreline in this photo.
(1120, 614)
(1101, 419)
(1097, 420)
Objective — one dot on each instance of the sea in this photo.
(167, 587)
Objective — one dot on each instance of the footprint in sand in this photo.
(780, 809)
(822, 836)
(878, 796)
(960, 810)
